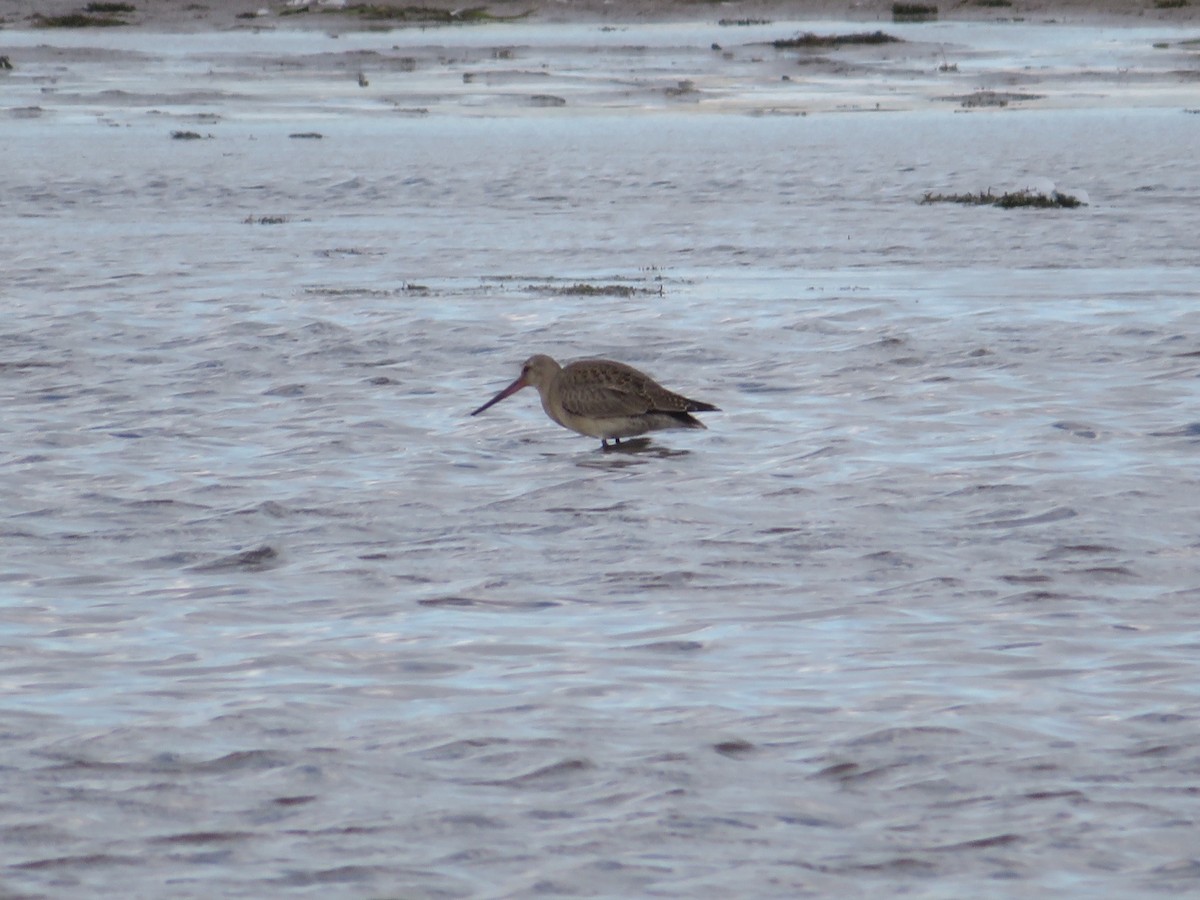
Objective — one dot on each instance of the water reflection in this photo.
(630, 452)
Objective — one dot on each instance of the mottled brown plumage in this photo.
(604, 399)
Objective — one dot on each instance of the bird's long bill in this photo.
(507, 392)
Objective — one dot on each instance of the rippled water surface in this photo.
(915, 615)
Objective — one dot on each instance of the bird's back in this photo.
(603, 388)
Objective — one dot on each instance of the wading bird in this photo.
(603, 399)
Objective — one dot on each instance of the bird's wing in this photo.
(603, 401)
(606, 389)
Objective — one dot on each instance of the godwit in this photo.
(604, 399)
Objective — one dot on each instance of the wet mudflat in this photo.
(915, 614)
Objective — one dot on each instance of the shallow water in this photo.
(914, 615)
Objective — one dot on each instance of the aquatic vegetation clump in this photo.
(583, 289)
(913, 12)
(682, 88)
(1027, 198)
(382, 12)
(999, 99)
(1038, 200)
(76, 20)
(809, 40)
